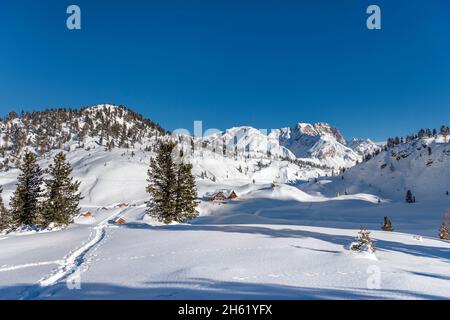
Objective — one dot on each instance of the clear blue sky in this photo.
(267, 64)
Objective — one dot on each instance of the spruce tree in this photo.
(186, 194)
(171, 187)
(25, 200)
(62, 197)
(409, 197)
(387, 226)
(5, 218)
(162, 184)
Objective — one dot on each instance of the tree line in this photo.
(55, 201)
(421, 134)
(42, 202)
(42, 131)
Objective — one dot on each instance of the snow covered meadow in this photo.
(286, 236)
(273, 242)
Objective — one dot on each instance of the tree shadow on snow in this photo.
(331, 213)
(431, 275)
(267, 232)
(415, 250)
(136, 225)
(211, 290)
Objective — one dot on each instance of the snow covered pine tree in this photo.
(25, 200)
(62, 197)
(409, 197)
(171, 187)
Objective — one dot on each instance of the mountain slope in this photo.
(363, 147)
(319, 141)
(422, 166)
(106, 126)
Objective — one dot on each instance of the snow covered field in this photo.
(271, 243)
(286, 236)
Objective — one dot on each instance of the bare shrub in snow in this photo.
(363, 242)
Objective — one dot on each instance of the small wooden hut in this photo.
(219, 196)
(120, 221)
(232, 195)
(87, 214)
(123, 205)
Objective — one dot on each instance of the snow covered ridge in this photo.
(320, 143)
(363, 147)
(106, 125)
(422, 166)
(113, 126)
(323, 143)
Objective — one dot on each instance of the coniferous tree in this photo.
(5, 218)
(171, 187)
(62, 197)
(162, 183)
(409, 197)
(25, 200)
(186, 194)
(387, 226)
(445, 132)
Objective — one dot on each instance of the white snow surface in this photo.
(286, 236)
(276, 241)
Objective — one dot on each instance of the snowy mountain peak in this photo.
(101, 125)
(320, 129)
(319, 141)
(111, 126)
(249, 141)
(363, 147)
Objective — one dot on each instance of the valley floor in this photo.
(268, 244)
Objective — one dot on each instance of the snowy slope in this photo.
(422, 167)
(106, 126)
(248, 141)
(286, 236)
(273, 243)
(363, 147)
(120, 175)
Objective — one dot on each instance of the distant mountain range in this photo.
(109, 144)
(113, 126)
